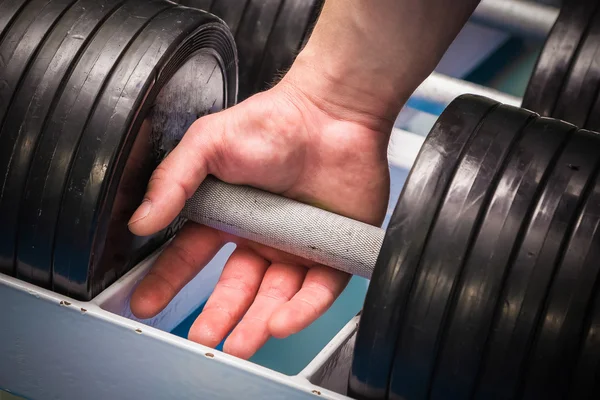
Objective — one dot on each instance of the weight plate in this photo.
(28, 110)
(285, 40)
(9, 9)
(555, 59)
(581, 86)
(557, 342)
(449, 241)
(251, 38)
(522, 300)
(484, 271)
(21, 41)
(83, 257)
(18, 47)
(57, 134)
(230, 11)
(405, 237)
(585, 383)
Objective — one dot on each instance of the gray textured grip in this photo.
(296, 228)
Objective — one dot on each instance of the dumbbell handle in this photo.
(288, 225)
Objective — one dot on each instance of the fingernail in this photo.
(141, 213)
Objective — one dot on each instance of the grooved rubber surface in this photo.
(251, 38)
(92, 186)
(19, 46)
(488, 262)
(448, 244)
(405, 238)
(29, 110)
(557, 55)
(521, 303)
(583, 81)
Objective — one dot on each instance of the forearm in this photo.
(368, 56)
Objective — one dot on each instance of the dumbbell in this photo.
(268, 34)
(84, 85)
(485, 282)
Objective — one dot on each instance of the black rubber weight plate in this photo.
(447, 245)
(404, 241)
(21, 41)
(521, 303)
(55, 121)
(285, 40)
(230, 11)
(30, 28)
(9, 9)
(82, 263)
(581, 86)
(555, 59)
(562, 323)
(585, 384)
(29, 108)
(251, 38)
(502, 225)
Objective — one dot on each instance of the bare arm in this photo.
(370, 55)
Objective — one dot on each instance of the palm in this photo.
(287, 145)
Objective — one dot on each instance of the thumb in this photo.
(176, 178)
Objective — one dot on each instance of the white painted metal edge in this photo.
(92, 315)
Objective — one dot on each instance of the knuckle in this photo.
(238, 285)
(274, 293)
(183, 256)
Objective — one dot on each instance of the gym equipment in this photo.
(77, 143)
(268, 34)
(444, 224)
(476, 168)
(553, 64)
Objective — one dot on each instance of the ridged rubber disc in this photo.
(58, 133)
(230, 11)
(19, 45)
(562, 323)
(469, 321)
(521, 302)
(404, 241)
(251, 38)
(29, 108)
(9, 9)
(95, 206)
(552, 67)
(448, 244)
(581, 86)
(285, 39)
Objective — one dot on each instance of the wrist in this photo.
(343, 93)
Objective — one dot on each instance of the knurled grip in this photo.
(288, 225)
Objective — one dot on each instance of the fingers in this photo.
(233, 294)
(176, 179)
(319, 290)
(280, 283)
(193, 247)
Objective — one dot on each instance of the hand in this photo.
(285, 141)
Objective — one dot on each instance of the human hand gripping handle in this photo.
(320, 137)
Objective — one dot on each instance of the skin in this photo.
(320, 136)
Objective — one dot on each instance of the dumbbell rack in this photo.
(55, 347)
